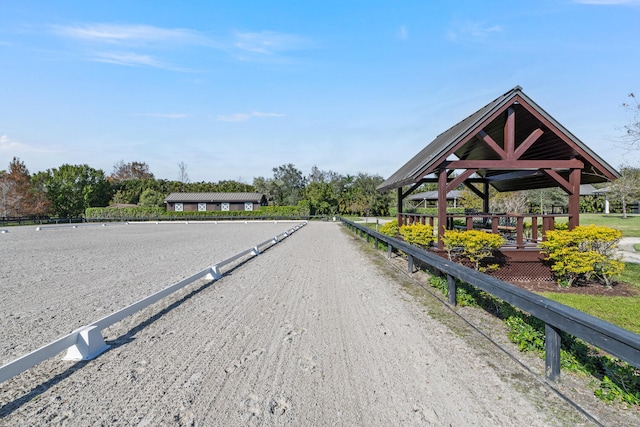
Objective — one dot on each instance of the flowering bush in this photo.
(390, 228)
(417, 234)
(475, 245)
(584, 252)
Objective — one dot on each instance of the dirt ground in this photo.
(317, 330)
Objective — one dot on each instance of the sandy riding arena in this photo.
(314, 331)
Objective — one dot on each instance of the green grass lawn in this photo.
(621, 311)
(630, 226)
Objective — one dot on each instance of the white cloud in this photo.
(259, 114)
(243, 117)
(268, 42)
(472, 31)
(7, 144)
(163, 115)
(135, 37)
(16, 148)
(130, 59)
(129, 34)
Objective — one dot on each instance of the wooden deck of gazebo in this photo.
(519, 230)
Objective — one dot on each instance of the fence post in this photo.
(451, 288)
(410, 264)
(552, 350)
(90, 344)
(375, 243)
(389, 250)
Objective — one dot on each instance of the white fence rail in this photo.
(87, 342)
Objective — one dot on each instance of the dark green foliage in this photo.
(618, 381)
(152, 213)
(74, 188)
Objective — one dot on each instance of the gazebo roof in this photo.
(508, 142)
(433, 195)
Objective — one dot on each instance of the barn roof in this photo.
(214, 197)
(466, 141)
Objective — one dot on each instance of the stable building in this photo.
(205, 202)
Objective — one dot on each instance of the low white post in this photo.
(214, 273)
(255, 250)
(89, 344)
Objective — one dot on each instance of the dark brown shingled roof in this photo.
(213, 197)
(462, 141)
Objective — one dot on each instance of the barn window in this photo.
(224, 206)
(248, 206)
(202, 207)
(178, 207)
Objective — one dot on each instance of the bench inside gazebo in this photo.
(511, 144)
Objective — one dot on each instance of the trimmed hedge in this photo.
(148, 213)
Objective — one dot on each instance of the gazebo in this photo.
(509, 144)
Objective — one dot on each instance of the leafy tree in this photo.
(234, 187)
(151, 198)
(73, 188)
(626, 188)
(128, 191)
(322, 198)
(131, 170)
(511, 202)
(16, 195)
(286, 188)
(359, 196)
(288, 185)
(322, 191)
(542, 200)
(469, 200)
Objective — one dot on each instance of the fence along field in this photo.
(557, 317)
(87, 342)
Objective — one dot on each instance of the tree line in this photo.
(67, 191)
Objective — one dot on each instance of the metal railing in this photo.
(557, 317)
(86, 342)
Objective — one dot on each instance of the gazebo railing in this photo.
(517, 228)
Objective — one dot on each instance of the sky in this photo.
(233, 89)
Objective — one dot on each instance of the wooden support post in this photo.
(534, 228)
(442, 206)
(399, 201)
(495, 221)
(485, 199)
(520, 232)
(451, 288)
(552, 352)
(510, 134)
(547, 225)
(375, 242)
(469, 223)
(389, 250)
(574, 199)
(410, 264)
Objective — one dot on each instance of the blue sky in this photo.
(236, 88)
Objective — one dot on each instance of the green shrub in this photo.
(475, 245)
(584, 252)
(390, 228)
(417, 234)
(147, 213)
